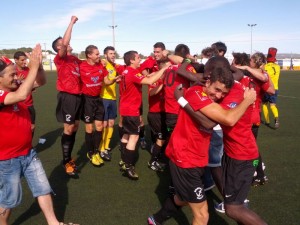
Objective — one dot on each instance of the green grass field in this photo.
(102, 196)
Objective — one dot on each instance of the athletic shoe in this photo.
(131, 173)
(94, 159)
(99, 158)
(151, 221)
(121, 163)
(105, 155)
(257, 182)
(72, 163)
(276, 120)
(156, 166)
(221, 209)
(108, 149)
(209, 188)
(70, 169)
(143, 143)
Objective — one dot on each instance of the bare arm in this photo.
(25, 89)
(155, 90)
(41, 78)
(155, 76)
(193, 77)
(108, 81)
(67, 37)
(257, 73)
(271, 89)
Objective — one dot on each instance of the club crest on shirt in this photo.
(95, 79)
(232, 105)
(100, 71)
(140, 76)
(201, 95)
(1, 92)
(15, 108)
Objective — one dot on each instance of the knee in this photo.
(201, 217)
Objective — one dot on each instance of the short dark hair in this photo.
(159, 45)
(241, 58)
(182, 50)
(89, 49)
(130, 55)
(218, 69)
(108, 48)
(209, 52)
(18, 54)
(54, 44)
(220, 46)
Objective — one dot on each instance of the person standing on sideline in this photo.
(22, 72)
(273, 69)
(69, 96)
(93, 74)
(109, 98)
(130, 102)
(17, 157)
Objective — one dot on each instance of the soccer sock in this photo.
(66, 144)
(266, 112)
(259, 169)
(89, 142)
(97, 139)
(167, 211)
(129, 157)
(142, 131)
(73, 142)
(109, 134)
(155, 152)
(121, 132)
(122, 150)
(103, 141)
(274, 110)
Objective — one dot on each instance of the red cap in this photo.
(4, 62)
(271, 57)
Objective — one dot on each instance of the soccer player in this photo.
(130, 101)
(17, 157)
(273, 70)
(189, 142)
(22, 72)
(69, 95)
(93, 74)
(109, 96)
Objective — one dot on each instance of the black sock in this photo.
(121, 132)
(97, 139)
(167, 211)
(89, 142)
(73, 142)
(142, 131)
(122, 150)
(259, 169)
(155, 152)
(66, 144)
(129, 157)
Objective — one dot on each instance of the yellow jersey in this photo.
(109, 91)
(273, 70)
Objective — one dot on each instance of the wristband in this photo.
(186, 60)
(182, 102)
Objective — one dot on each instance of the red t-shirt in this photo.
(156, 102)
(29, 100)
(131, 92)
(15, 129)
(189, 144)
(68, 76)
(239, 141)
(92, 77)
(171, 81)
(149, 64)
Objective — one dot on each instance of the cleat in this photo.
(143, 143)
(121, 163)
(156, 166)
(130, 172)
(94, 159)
(70, 169)
(105, 155)
(276, 123)
(257, 182)
(108, 149)
(99, 158)
(73, 164)
(151, 221)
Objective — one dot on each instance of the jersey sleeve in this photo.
(197, 98)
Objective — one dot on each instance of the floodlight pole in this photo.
(251, 26)
(113, 26)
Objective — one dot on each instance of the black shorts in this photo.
(188, 183)
(237, 179)
(31, 110)
(131, 124)
(157, 123)
(92, 109)
(68, 107)
(171, 120)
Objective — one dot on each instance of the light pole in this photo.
(251, 26)
(113, 26)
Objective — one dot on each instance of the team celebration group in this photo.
(204, 120)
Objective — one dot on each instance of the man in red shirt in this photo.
(17, 157)
(130, 102)
(22, 72)
(93, 74)
(189, 142)
(69, 96)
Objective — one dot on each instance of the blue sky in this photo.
(141, 23)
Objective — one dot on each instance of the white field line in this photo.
(284, 96)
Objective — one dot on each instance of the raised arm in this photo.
(256, 73)
(155, 76)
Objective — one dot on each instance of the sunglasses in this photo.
(4, 62)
